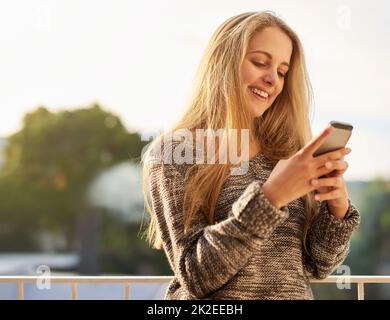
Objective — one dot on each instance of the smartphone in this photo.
(338, 139)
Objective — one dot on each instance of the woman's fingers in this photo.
(328, 188)
(334, 194)
(340, 166)
(336, 182)
(333, 155)
(316, 142)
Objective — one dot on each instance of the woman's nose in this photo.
(270, 78)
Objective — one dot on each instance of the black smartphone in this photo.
(338, 139)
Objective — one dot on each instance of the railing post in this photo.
(74, 291)
(20, 290)
(127, 291)
(360, 290)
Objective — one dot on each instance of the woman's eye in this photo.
(258, 64)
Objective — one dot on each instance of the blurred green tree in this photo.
(371, 239)
(48, 166)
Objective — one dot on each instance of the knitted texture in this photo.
(253, 250)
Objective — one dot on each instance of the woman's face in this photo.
(264, 68)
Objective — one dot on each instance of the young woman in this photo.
(264, 233)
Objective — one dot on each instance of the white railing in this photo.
(359, 280)
(128, 280)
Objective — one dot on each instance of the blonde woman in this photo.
(265, 233)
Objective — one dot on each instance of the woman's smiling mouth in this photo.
(258, 94)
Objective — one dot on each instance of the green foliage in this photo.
(122, 252)
(384, 220)
(50, 163)
(374, 209)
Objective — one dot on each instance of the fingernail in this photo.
(317, 197)
(314, 182)
(348, 150)
(328, 165)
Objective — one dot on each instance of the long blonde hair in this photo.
(215, 103)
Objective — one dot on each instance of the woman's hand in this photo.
(332, 188)
(291, 179)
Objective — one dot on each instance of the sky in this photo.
(137, 60)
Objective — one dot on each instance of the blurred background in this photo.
(85, 84)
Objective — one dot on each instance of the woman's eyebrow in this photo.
(268, 55)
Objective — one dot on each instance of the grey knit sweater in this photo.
(254, 250)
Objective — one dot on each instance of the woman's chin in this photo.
(257, 111)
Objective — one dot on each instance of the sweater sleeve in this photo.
(329, 240)
(208, 256)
